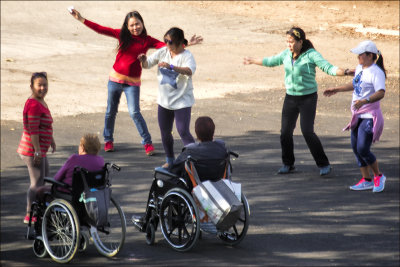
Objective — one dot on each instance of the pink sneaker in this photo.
(26, 219)
(379, 183)
(149, 148)
(109, 146)
(362, 185)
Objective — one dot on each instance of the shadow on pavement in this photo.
(298, 219)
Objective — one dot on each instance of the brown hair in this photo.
(204, 128)
(91, 143)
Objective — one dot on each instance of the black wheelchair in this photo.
(172, 206)
(63, 226)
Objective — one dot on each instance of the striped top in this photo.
(37, 120)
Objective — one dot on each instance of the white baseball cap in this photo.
(366, 46)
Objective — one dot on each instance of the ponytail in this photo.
(379, 62)
(306, 45)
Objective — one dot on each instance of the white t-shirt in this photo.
(366, 82)
(175, 90)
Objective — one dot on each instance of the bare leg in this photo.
(365, 172)
(375, 168)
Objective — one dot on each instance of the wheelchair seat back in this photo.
(95, 179)
(211, 169)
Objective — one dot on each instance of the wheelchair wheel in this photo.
(60, 231)
(237, 232)
(150, 234)
(178, 216)
(109, 239)
(38, 247)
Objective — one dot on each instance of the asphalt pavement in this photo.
(299, 219)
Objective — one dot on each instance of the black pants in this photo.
(306, 106)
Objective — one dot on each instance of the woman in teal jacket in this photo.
(300, 60)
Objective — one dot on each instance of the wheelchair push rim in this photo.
(60, 231)
(110, 239)
(178, 218)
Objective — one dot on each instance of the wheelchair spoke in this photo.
(178, 220)
(235, 230)
(185, 231)
(60, 231)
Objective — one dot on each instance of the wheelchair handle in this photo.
(236, 155)
(115, 167)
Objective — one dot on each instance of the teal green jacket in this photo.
(300, 76)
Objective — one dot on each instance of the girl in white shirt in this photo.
(366, 124)
(176, 65)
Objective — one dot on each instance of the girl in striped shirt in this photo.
(37, 137)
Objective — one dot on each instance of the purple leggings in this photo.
(166, 120)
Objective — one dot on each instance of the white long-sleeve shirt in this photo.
(175, 90)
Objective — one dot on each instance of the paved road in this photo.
(299, 219)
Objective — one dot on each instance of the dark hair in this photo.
(378, 62)
(125, 35)
(36, 75)
(204, 128)
(177, 36)
(298, 34)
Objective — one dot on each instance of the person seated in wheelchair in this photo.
(210, 160)
(87, 158)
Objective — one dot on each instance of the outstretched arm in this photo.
(334, 90)
(195, 40)
(346, 72)
(94, 26)
(77, 15)
(250, 60)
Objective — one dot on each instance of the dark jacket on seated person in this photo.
(210, 159)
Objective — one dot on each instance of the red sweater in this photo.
(37, 120)
(126, 62)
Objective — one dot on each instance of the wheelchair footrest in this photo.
(30, 233)
(208, 227)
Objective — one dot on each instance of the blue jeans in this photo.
(361, 140)
(132, 94)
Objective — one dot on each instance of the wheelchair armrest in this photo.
(161, 170)
(55, 182)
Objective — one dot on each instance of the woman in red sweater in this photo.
(125, 75)
(37, 137)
